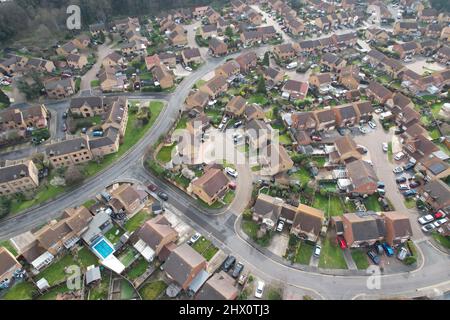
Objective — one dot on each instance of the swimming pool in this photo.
(103, 248)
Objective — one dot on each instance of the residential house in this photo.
(325, 119)
(274, 159)
(308, 223)
(398, 227)
(219, 287)
(68, 152)
(346, 116)
(12, 63)
(218, 47)
(169, 59)
(322, 23)
(236, 106)
(77, 61)
(407, 49)
(208, 31)
(333, 62)
(229, 69)
(273, 76)
(108, 143)
(82, 41)
(436, 194)
(407, 117)
(443, 55)
(296, 90)
(258, 133)
(112, 60)
(197, 99)
(250, 38)
(183, 265)
(67, 49)
(152, 61)
(163, 76)
(21, 119)
(378, 92)
(97, 28)
(427, 14)
(19, 177)
(305, 121)
(59, 89)
(110, 81)
(211, 186)
(126, 198)
(200, 12)
(321, 81)
(349, 77)
(346, 150)
(363, 178)
(377, 35)
(178, 38)
(254, 112)
(40, 65)
(363, 230)
(419, 148)
(191, 55)
(9, 267)
(285, 52)
(364, 110)
(212, 16)
(405, 28)
(247, 61)
(215, 86)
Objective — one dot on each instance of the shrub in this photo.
(410, 260)
(247, 215)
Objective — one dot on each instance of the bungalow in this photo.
(284, 51)
(229, 69)
(346, 116)
(77, 61)
(363, 178)
(247, 61)
(436, 194)
(183, 265)
(163, 76)
(363, 230)
(378, 92)
(191, 55)
(407, 49)
(236, 106)
(398, 227)
(157, 233)
(58, 89)
(219, 287)
(218, 47)
(308, 223)
(296, 90)
(211, 186)
(325, 119)
(215, 86)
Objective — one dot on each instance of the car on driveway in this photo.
(400, 180)
(362, 130)
(280, 226)
(317, 250)
(403, 186)
(372, 124)
(342, 242)
(388, 249)
(428, 227)
(408, 166)
(426, 219)
(373, 256)
(152, 187)
(259, 289)
(229, 263)
(237, 270)
(399, 156)
(440, 222)
(409, 193)
(385, 147)
(398, 170)
(231, 172)
(194, 239)
(440, 214)
(414, 184)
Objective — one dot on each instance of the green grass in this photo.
(260, 99)
(95, 83)
(410, 203)
(136, 221)
(165, 153)
(8, 246)
(6, 88)
(182, 180)
(320, 161)
(372, 203)
(251, 229)
(389, 152)
(436, 108)
(434, 134)
(444, 241)
(181, 124)
(214, 114)
(55, 272)
(133, 134)
(87, 258)
(52, 293)
(229, 196)
(256, 168)
(21, 291)
(270, 115)
(360, 259)
(138, 269)
(205, 248)
(302, 175)
(331, 256)
(304, 253)
(127, 257)
(44, 193)
(153, 290)
(89, 203)
(331, 205)
(215, 205)
(199, 83)
(111, 235)
(100, 291)
(285, 139)
(443, 147)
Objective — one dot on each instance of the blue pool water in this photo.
(103, 248)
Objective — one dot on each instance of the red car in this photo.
(152, 187)
(439, 215)
(342, 242)
(232, 185)
(316, 138)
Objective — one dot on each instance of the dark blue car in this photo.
(374, 257)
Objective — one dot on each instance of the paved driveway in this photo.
(102, 51)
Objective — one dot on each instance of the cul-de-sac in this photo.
(225, 150)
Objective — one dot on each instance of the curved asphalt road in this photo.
(221, 225)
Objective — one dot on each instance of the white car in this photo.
(385, 147)
(212, 102)
(372, 124)
(362, 130)
(188, 69)
(398, 170)
(224, 120)
(231, 172)
(317, 250)
(280, 226)
(195, 238)
(425, 219)
(440, 222)
(399, 156)
(259, 289)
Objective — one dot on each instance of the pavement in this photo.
(102, 51)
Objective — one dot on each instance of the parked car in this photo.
(428, 227)
(237, 124)
(399, 156)
(426, 219)
(408, 166)
(372, 124)
(163, 196)
(385, 147)
(231, 172)
(398, 170)
(380, 185)
(402, 253)
(194, 239)
(280, 226)
(188, 69)
(373, 256)
(378, 248)
(440, 222)
(362, 130)
(152, 187)
(342, 242)
(242, 279)
(237, 270)
(403, 186)
(259, 289)
(409, 193)
(317, 250)
(316, 138)
(400, 179)
(440, 214)
(229, 262)
(388, 249)
(414, 184)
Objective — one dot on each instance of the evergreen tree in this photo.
(261, 87)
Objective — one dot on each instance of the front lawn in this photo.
(56, 273)
(8, 246)
(95, 83)
(229, 196)
(372, 203)
(153, 290)
(21, 291)
(331, 256)
(444, 241)
(205, 248)
(251, 229)
(360, 259)
(410, 203)
(165, 153)
(136, 221)
(44, 193)
(304, 253)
